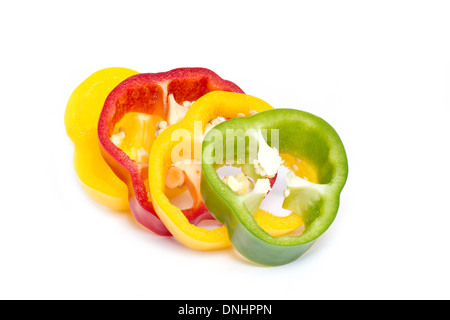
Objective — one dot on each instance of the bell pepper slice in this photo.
(191, 129)
(300, 135)
(80, 120)
(164, 97)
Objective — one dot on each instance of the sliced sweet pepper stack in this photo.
(80, 120)
(300, 135)
(158, 100)
(166, 153)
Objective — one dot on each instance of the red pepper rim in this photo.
(148, 93)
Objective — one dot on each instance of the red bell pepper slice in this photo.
(148, 93)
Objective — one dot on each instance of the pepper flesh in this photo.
(203, 111)
(301, 135)
(80, 120)
(149, 94)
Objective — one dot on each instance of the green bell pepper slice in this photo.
(301, 135)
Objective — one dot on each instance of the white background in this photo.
(378, 71)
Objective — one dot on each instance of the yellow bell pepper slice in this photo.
(81, 119)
